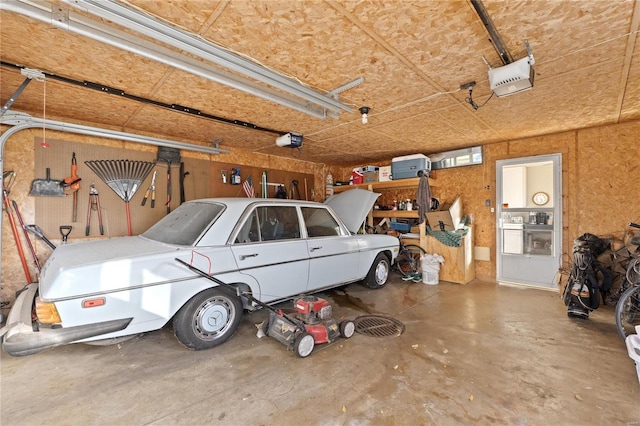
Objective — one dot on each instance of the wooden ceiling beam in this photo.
(628, 57)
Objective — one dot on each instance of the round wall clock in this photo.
(540, 198)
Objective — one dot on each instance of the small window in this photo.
(457, 158)
(320, 223)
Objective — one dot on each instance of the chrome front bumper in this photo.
(19, 339)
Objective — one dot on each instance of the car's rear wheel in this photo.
(379, 272)
(208, 319)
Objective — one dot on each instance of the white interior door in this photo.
(529, 220)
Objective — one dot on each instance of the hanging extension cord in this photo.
(470, 85)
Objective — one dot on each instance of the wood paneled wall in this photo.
(20, 156)
(599, 189)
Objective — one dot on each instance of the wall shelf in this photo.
(459, 266)
(406, 214)
(391, 184)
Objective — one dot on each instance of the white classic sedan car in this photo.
(105, 291)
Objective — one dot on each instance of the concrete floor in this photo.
(481, 354)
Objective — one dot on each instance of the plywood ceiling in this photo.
(413, 56)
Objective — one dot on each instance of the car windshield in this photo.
(185, 224)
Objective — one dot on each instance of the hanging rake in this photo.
(124, 177)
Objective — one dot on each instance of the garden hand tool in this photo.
(8, 178)
(94, 204)
(72, 185)
(152, 190)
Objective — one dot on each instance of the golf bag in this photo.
(588, 278)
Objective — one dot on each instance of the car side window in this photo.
(320, 223)
(270, 223)
(250, 231)
(278, 223)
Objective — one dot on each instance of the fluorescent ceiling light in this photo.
(22, 121)
(84, 26)
(145, 24)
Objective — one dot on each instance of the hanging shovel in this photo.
(65, 230)
(47, 187)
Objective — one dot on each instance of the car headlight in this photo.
(47, 312)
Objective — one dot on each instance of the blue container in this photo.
(401, 227)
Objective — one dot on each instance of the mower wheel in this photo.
(208, 319)
(347, 328)
(379, 272)
(303, 345)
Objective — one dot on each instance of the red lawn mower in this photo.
(310, 324)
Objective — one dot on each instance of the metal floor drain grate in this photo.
(378, 326)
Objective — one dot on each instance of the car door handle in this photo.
(315, 248)
(244, 256)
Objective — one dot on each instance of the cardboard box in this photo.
(384, 174)
(448, 215)
(408, 166)
(371, 176)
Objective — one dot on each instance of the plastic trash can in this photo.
(430, 266)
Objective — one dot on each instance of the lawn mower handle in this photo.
(236, 291)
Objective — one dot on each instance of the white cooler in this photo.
(408, 166)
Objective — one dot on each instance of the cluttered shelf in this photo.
(391, 184)
(408, 214)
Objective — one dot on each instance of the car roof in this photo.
(231, 201)
(350, 206)
(234, 209)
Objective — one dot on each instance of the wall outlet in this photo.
(482, 253)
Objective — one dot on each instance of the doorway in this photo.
(529, 220)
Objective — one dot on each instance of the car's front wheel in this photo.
(379, 272)
(208, 319)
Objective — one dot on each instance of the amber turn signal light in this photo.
(47, 312)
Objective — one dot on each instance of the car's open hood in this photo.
(353, 206)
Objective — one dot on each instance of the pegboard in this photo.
(53, 212)
(222, 187)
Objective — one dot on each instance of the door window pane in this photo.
(319, 222)
(269, 223)
(249, 232)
